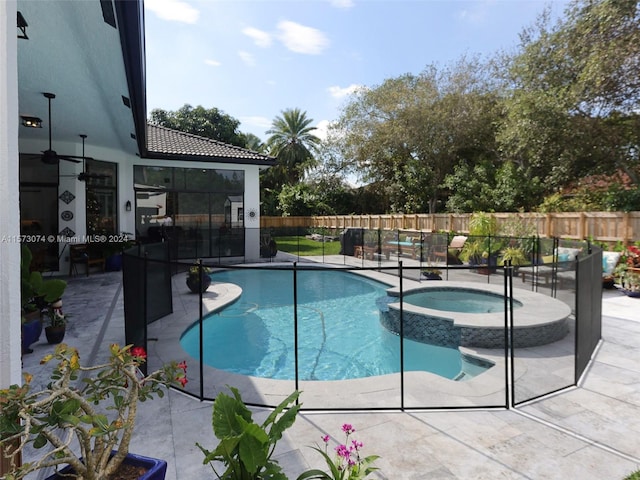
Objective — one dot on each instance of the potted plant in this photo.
(91, 407)
(198, 279)
(431, 273)
(628, 271)
(482, 247)
(56, 325)
(515, 255)
(37, 294)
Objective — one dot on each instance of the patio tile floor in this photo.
(589, 432)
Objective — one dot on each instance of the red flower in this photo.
(183, 366)
(139, 352)
(182, 380)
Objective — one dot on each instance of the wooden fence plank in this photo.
(608, 227)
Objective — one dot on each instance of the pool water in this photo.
(459, 300)
(339, 331)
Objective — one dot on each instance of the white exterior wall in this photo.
(10, 349)
(252, 204)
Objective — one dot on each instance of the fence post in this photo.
(295, 323)
(145, 309)
(401, 332)
(201, 327)
(509, 353)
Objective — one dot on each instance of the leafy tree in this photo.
(209, 123)
(300, 200)
(293, 144)
(575, 93)
(253, 142)
(408, 133)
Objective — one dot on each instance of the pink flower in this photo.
(356, 445)
(348, 428)
(343, 451)
(325, 438)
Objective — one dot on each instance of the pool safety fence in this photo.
(538, 340)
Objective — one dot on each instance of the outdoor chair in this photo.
(449, 254)
(83, 254)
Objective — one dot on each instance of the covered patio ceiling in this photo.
(73, 52)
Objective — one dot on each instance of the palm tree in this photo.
(292, 143)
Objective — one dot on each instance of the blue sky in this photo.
(254, 58)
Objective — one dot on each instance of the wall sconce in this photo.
(127, 206)
(32, 122)
(22, 27)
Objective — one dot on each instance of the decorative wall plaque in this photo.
(67, 232)
(67, 197)
(67, 215)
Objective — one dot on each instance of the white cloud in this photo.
(247, 58)
(173, 10)
(322, 129)
(340, 92)
(302, 39)
(213, 63)
(341, 3)
(260, 37)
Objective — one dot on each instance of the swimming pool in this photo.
(459, 300)
(339, 330)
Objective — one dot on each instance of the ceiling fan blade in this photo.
(79, 157)
(69, 158)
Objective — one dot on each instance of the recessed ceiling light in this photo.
(32, 122)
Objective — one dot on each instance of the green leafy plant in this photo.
(194, 269)
(94, 407)
(515, 255)
(56, 318)
(472, 251)
(36, 291)
(245, 447)
(482, 224)
(346, 464)
(431, 271)
(627, 269)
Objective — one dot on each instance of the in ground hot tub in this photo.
(471, 315)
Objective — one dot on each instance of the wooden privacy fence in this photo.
(608, 227)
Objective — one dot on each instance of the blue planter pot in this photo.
(30, 334)
(113, 263)
(156, 468)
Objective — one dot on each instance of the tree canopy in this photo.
(503, 133)
(209, 123)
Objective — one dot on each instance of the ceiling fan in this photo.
(50, 156)
(84, 175)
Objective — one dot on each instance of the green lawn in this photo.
(306, 246)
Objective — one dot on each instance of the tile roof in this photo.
(167, 143)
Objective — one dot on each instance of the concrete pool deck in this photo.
(588, 432)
